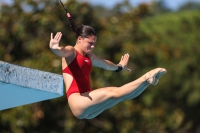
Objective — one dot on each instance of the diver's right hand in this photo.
(54, 42)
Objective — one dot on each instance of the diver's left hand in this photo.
(124, 62)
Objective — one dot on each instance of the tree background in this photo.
(154, 37)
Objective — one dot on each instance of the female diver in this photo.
(77, 62)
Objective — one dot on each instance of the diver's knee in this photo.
(113, 93)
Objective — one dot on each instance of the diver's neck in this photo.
(77, 48)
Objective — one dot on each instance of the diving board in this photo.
(20, 85)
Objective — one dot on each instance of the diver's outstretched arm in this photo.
(108, 65)
(58, 50)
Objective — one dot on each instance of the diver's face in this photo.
(88, 43)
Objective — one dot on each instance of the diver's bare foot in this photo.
(152, 77)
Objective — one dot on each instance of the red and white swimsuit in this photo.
(79, 69)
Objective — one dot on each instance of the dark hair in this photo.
(83, 31)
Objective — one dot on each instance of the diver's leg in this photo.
(86, 104)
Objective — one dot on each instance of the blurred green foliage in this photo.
(152, 35)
